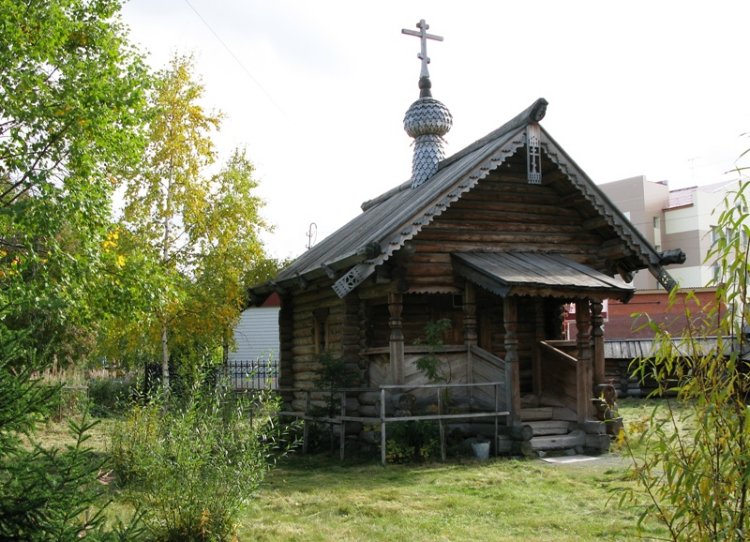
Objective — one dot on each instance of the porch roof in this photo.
(537, 274)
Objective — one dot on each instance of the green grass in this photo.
(504, 499)
(309, 498)
(315, 498)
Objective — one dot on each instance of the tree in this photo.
(71, 100)
(229, 254)
(166, 201)
(200, 232)
(695, 470)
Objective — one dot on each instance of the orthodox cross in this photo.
(423, 36)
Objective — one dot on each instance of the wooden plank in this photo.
(549, 427)
(531, 414)
(480, 214)
(451, 227)
(558, 442)
(540, 239)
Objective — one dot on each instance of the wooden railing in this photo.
(338, 415)
(487, 367)
(560, 376)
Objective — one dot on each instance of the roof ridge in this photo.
(534, 113)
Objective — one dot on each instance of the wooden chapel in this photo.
(499, 240)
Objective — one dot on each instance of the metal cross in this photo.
(423, 36)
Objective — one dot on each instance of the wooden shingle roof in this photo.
(390, 220)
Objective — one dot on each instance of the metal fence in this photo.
(252, 374)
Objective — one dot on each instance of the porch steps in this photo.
(549, 427)
(538, 413)
(547, 413)
(545, 430)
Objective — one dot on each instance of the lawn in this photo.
(504, 499)
(317, 498)
(310, 498)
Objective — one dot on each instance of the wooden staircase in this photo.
(547, 431)
(552, 430)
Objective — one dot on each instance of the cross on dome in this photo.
(423, 36)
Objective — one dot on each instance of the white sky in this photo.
(657, 88)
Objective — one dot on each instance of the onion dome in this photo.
(427, 120)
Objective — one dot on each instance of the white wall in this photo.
(690, 277)
(256, 337)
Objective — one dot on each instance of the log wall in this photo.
(503, 213)
(340, 337)
(419, 310)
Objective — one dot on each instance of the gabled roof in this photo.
(390, 220)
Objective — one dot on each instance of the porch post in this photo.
(584, 384)
(395, 307)
(470, 327)
(536, 361)
(286, 343)
(512, 377)
(597, 331)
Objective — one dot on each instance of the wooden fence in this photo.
(387, 415)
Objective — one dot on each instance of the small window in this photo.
(320, 330)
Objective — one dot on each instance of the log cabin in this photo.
(497, 240)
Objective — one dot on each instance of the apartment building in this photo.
(683, 218)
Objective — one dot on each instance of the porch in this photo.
(481, 400)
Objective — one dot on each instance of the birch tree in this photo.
(201, 230)
(168, 198)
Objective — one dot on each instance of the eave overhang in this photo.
(538, 275)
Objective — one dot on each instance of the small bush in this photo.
(109, 396)
(412, 442)
(194, 462)
(64, 401)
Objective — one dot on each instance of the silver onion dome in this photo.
(427, 120)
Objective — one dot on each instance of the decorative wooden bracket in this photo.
(663, 277)
(533, 154)
(353, 278)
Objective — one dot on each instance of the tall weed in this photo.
(194, 462)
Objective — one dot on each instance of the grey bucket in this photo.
(481, 450)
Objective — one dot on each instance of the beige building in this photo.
(671, 219)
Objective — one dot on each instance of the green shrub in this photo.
(412, 442)
(430, 363)
(108, 396)
(53, 494)
(65, 401)
(692, 459)
(193, 462)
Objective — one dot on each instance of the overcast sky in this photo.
(316, 90)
